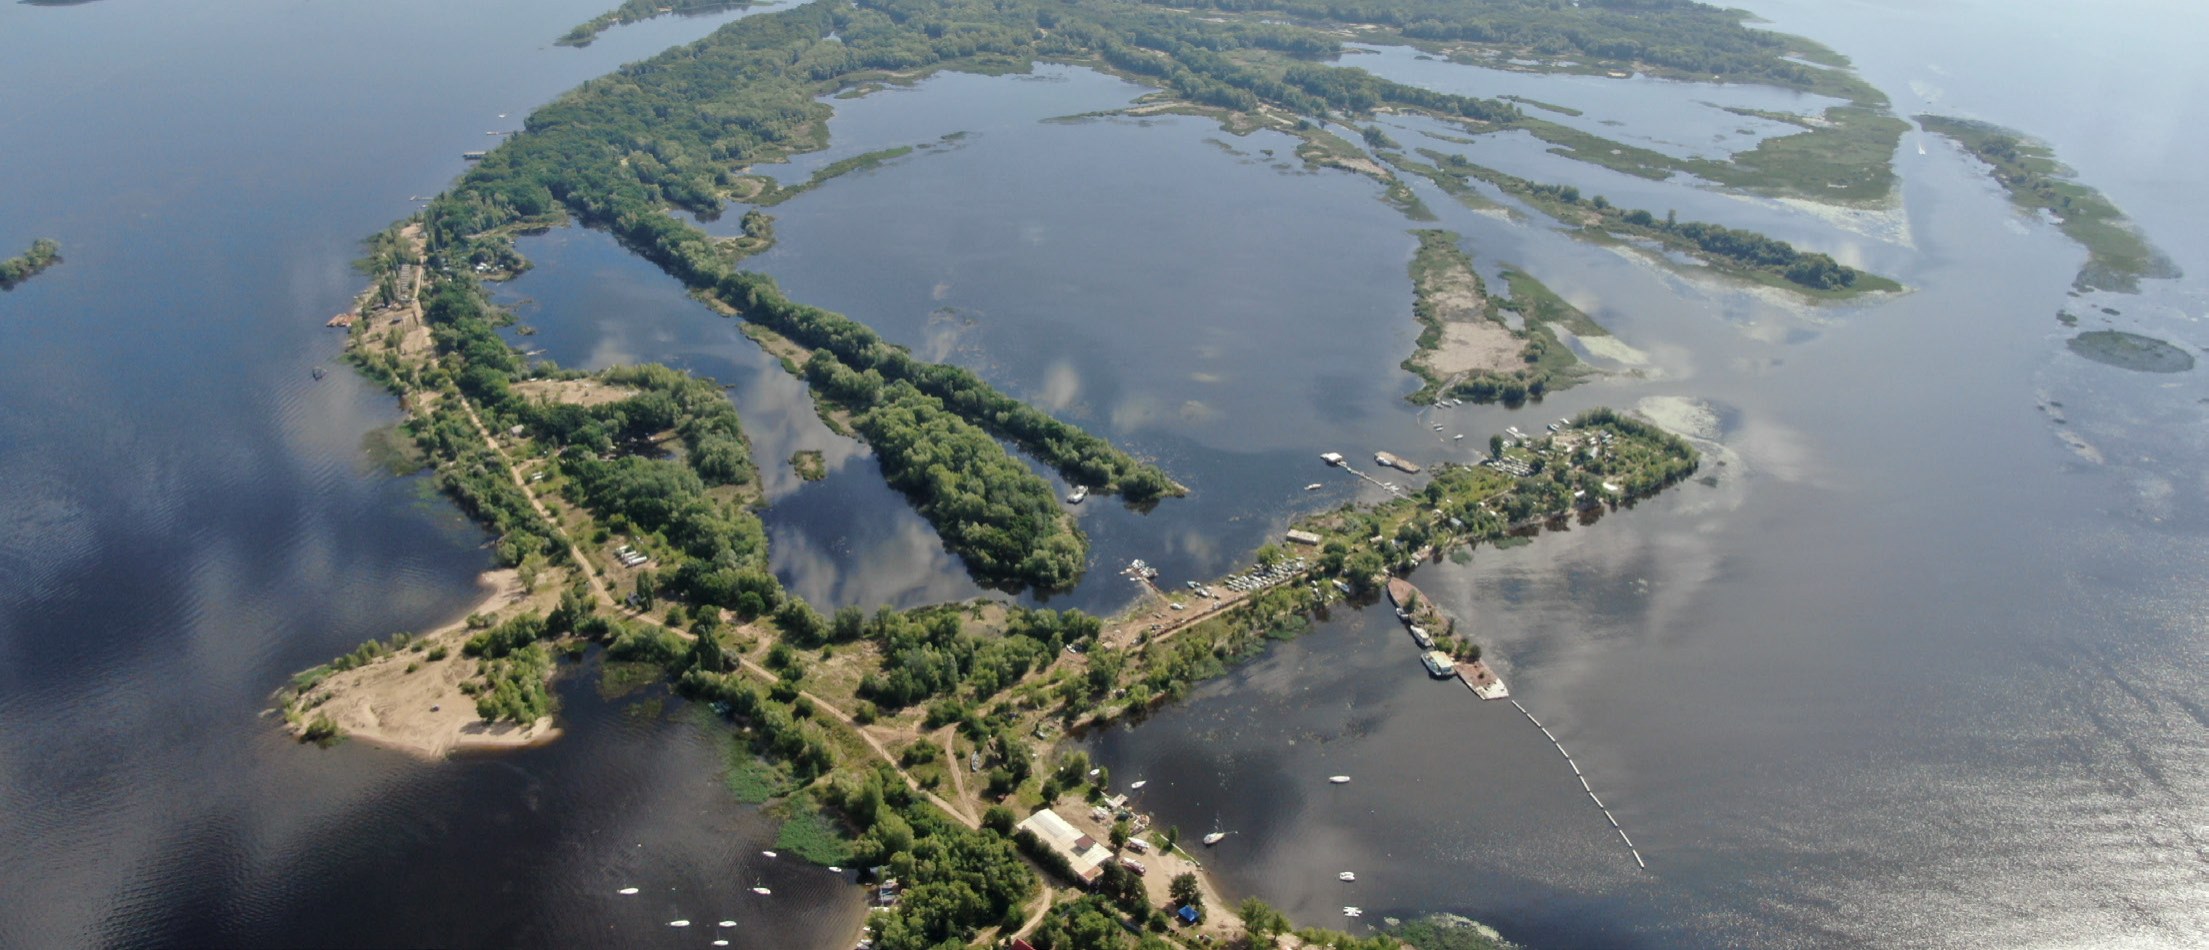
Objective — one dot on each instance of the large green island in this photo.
(624, 502)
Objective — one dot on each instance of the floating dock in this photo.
(1396, 462)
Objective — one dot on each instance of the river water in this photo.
(1910, 669)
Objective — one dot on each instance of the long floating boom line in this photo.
(1584, 786)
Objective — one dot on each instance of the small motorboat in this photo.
(1312, 487)
(1353, 912)
(1138, 783)
(761, 891)
(1079, 493)
(678, 923)
(626, 890)
(726, 923)
(1347, 876)
(1214, 837)
(768, 853)
(1339, 779)
(318, 372)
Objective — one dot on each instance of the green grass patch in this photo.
(812, 835)
(753, 780)
(618, 678)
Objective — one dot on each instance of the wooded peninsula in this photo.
(2118, 256)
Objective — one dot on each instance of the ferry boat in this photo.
(1075, 497)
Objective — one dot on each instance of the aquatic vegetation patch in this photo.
(2144, 354)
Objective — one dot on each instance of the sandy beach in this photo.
(424, 712)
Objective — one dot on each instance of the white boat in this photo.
(761, 891)
(626, 890)
(1075, 497)
(1339, 779)
(678, 923)
(1214, 837)
(1346, 876)
(768, 853)
(727, 923)
(1312, 487)
(1138, 783)
(1352, 912)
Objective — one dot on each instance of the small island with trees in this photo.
(1732, 251)
(43, 253)
(1468, 348)
(2118, 256)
